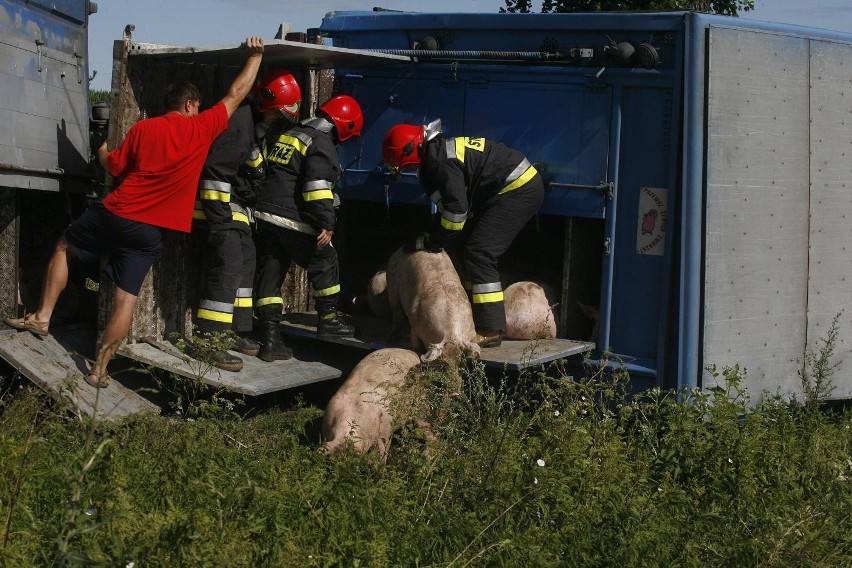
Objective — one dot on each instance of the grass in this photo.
(536, 470)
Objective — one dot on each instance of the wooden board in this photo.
(373, 333)
(48, 364)
(257, 377)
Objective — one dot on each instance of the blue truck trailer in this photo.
(698, 171)
(697, 174)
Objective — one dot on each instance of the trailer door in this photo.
(564, 129)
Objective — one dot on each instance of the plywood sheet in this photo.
(373, 333)
(257, 377)
(47, 363)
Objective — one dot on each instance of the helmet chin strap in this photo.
(432, 130)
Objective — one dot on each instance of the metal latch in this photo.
(605, 187)
(39, 43)
(607, 246)
(79, 67)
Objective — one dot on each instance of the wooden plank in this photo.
(49, 365)
(373, 333)
(257, 377)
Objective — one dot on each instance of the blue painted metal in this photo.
(586, 122)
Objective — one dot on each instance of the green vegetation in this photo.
(724, 7)
(98, 96)
(530, 471)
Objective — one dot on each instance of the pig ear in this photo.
(435, 351)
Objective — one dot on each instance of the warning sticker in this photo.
(651, 224)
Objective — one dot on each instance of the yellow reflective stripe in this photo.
(267, 301)
(215, 316)
(198, 214)
(450, 226)
(487, 298)
(241, 217)
(254, 162)
(327, 291)
(525, 177)
(319, 194)
(300, 146)
(460, 149)
(243, 302)
(213, 195)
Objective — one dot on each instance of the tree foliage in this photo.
(724, 7)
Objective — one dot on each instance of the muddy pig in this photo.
(372, 402)
(425, 288)
(529, 312)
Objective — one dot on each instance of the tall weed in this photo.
(535, 468)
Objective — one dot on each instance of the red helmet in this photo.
(278, 89)
(346, 115)
(402, 145)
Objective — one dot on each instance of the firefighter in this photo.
(296, 215)
(485, 193)
(226, 192)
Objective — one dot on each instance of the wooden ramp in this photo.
(373, 333)
(257, 377)
(59, 370)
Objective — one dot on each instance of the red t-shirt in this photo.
(161, 160)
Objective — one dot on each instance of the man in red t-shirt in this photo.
(159, 161)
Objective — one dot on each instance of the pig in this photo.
(379, 396)
(377, 294)
(425, 288)
(529, 311)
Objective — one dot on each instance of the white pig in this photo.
(529, 312)
(425, 288)
(363, 408)
(377, 294)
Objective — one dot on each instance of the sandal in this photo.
(28, 323)
(100, 382)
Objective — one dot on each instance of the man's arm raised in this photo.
(245, 80)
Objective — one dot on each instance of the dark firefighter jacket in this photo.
(226, 185)
(460, 174)
(302, 169)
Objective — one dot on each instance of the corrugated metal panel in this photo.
(756, 245)
(830, 275)
(43, 98)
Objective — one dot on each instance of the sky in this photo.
(226, 22)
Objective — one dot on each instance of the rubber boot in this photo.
(246, 346)
(220, 359)
(271, 346)
(332, 325)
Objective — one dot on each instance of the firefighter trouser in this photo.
(228, 276)
(486, 237)
(277, 247)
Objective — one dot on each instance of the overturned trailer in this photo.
(695, 167)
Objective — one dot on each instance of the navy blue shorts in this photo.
(132, 247)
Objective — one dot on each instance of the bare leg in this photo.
(55, 280)
(117, 327)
